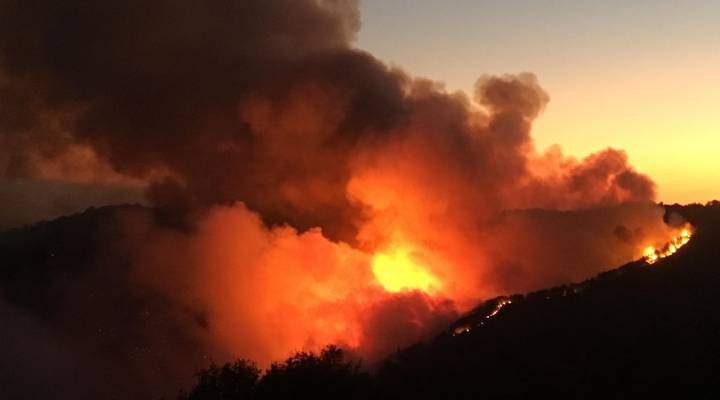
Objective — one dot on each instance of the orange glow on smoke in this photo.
(652, 255)
(432, 231)
(397, 270)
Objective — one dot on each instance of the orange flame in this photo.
(652, 255)
(498, 307)
(467, 328)
(397, 270)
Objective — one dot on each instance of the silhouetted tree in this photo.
(236, 381)
(308, 376)
(304, 375)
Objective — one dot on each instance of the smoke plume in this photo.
(288, 161)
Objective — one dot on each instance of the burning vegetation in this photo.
(652, 254)
(306, 193)
(499, 304)
(397, 271)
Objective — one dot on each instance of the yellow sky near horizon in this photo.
(667, 122)
(642, 77)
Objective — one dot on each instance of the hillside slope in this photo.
(637, 330)
(75, 323)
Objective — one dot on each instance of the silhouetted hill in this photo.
(636, 331)
(75, 324)
(35, 256)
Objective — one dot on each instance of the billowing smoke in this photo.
(316, 195)
(260, 101)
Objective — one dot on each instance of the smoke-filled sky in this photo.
(305, 191)
(639, 75)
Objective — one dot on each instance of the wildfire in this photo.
(467, 328)
(651, 254)
(502, 303)
(397, 270)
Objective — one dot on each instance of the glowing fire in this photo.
(467, 328)
(498, 307)
(397, 270)
(651, 254)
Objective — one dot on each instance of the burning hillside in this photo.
(306, 193)
(653, 254)
(657, 326)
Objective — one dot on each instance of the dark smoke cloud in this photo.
(166, 86)
(186, 94)
(282, 160)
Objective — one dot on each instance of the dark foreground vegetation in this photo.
(304, 375)
(637, 331)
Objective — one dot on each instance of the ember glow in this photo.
(498, 307)
(306, 192)
(653, 254)
(502, 303)
(397, 270)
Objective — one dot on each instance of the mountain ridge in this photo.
(636, 330)
(630, 330)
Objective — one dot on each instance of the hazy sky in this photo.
(643, 76)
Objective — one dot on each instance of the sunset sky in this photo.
(640, 76)
(192, 182)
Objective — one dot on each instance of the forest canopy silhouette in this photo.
(295, 192)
